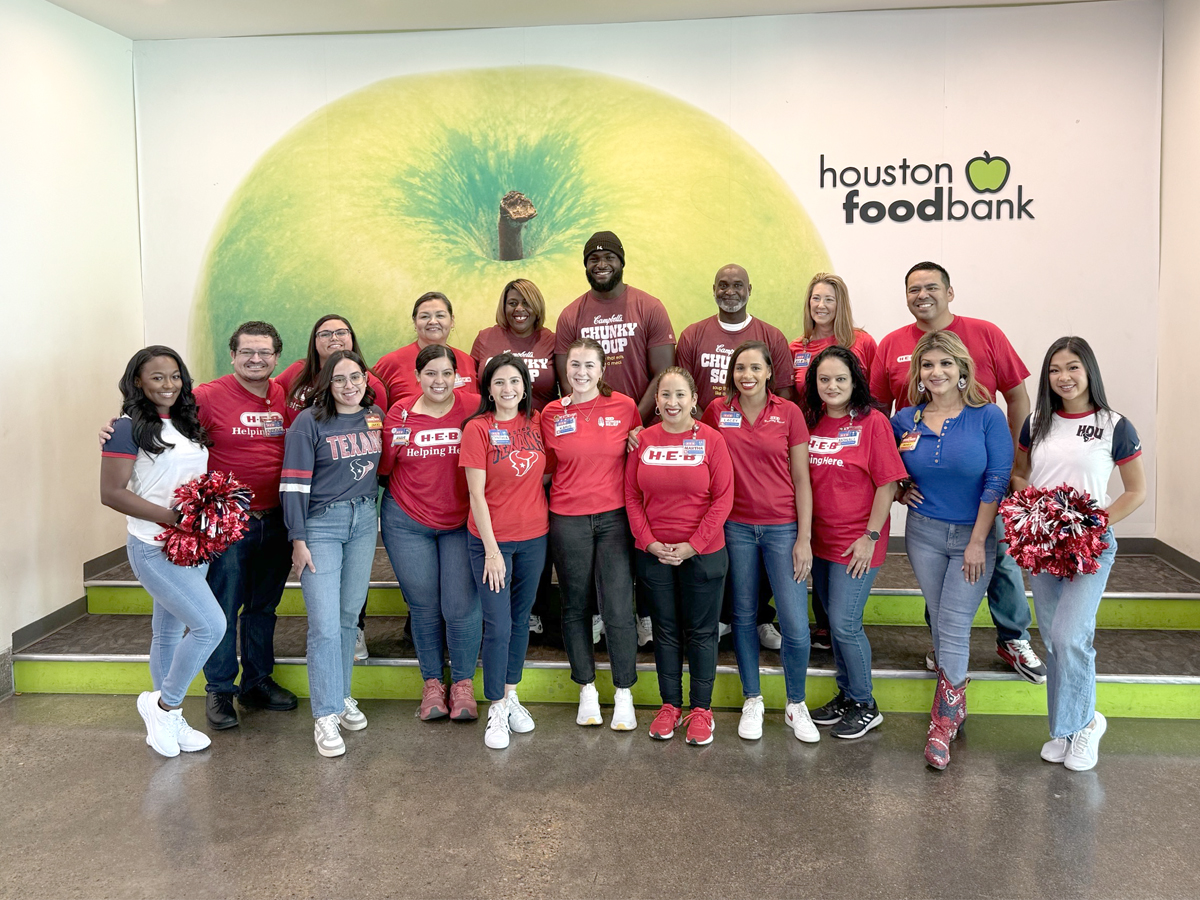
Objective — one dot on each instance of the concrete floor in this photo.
(425, 810)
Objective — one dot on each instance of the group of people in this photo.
(674, 484)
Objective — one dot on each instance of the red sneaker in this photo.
(699, 727)
(664, 724)
(462, 701)
(433, 700)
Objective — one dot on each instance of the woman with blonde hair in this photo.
(958, 452)
(829, 321)
(520, 330)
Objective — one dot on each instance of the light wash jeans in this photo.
(845, 597)
(434, 572)
(1066, 611)
(341, 539)
(746, 544)
(182, 598)
(935, 551)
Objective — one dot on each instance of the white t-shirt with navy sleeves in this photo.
(1081, 450)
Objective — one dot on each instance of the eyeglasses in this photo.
(355, 378)
(250, 354)
(340, 333)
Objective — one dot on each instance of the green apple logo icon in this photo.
(462, 180)
(987, 173)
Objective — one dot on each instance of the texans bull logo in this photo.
(522, 461)
(360, 468)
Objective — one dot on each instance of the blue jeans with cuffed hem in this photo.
(1066, 611)
(434, 571)
(249, 576)
(845, 597)
(770, 545)
(341, 539)
(182, 599)
(935, 551)
(506, 612)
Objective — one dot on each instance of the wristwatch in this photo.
(873, 535)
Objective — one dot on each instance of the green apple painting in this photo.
(397, 189)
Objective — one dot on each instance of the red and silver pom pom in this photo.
(212, 515)
(1058, 530)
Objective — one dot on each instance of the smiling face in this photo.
(750, 375)
(348, 385)
(939, 373)
(507, 390)
(731, 289)
(675, 400)
(161, 382)
(928, 298)
(433, 323)
(437, 381)
(835, 385)
(517, 313)
(584, 370)
(1068, 379)
(604, 270)
(822, 306)
(332, 335)
(254, 359)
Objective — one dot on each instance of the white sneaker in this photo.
(597, 629)
(750, 725)
(623, 717)
(535, 624)
(360, 646)
(645, 631)
(769, 636)
(723, 630)
(496, 734)
(801, 723)
(328, 736)
(351, 717)
(161, 730)
(189, 739)
(519, 719)
(589, 706)
(1055, 750)
(1085, 745)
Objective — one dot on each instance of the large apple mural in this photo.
(425, 182)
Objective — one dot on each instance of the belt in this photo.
(263, 513)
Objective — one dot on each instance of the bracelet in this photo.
(495, 555)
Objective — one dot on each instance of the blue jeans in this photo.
(1006, 594)
(341, 539)
(1066, 610)
(506, 612)
(845, 597)
(182, 598)
(935, 552)
(249, 576)
(434, 572)
(772, 544)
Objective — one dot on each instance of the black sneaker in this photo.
(858, 720)
(831, 713)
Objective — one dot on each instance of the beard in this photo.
(601, 287)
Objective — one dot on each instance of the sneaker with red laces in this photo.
(462, 701)
(664, 724)
(699, 727)
(433, 701)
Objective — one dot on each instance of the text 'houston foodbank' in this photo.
(985, 174)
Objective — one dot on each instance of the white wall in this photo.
(1179, 290)
(70, 294)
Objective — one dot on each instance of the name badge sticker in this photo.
(374, 423)
(848, 437)
(693, 446)
(909, 441)
(731, 419)
(564, 425)
(272, 425)
(801, 360)
(499, 437)
(401, 436)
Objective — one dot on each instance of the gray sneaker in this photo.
(351, 717)
(328, 736)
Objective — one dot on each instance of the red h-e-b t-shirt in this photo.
(247, 434)
(420, 454)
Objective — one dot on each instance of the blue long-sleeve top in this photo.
(326, 462)
(967, 464)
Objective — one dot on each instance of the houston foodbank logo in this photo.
(985, 174)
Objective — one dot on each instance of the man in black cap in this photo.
(632, 327)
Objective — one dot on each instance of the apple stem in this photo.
(515, 210)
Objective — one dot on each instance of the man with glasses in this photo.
(244, 415)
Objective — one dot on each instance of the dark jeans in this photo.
(250, 577)
(685, 599)
(591, 556)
